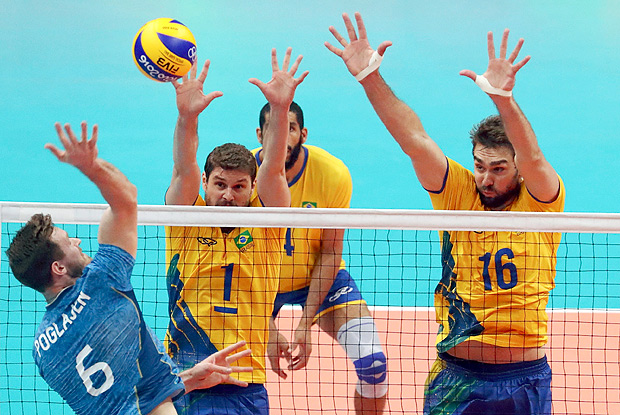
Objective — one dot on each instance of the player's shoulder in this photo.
(321, 157)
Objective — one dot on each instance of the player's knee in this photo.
(372, 375)
(360, 340)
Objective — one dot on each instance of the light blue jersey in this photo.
(94, 348)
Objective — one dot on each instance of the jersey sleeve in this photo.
(458, 191)
(556, 205)
(114, 264)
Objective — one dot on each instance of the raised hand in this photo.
(357, 52)
(81, 154)
(191, 99)
(501, 71)
(281, 89)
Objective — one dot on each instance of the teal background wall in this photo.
(70, 61)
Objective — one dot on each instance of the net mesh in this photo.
(395, 258)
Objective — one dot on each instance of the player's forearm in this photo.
(322, 278)
(114, 186)
(185, 183)
(275, 139)
(518, 129)
(185, 143)
(400, 120)
(271, 184)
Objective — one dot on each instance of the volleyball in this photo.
(164, 49)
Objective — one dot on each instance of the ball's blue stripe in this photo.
(138, 52)
(177, 46)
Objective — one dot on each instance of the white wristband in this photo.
(484, 84)
(373, 65)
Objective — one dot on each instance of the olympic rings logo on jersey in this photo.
(341, 291)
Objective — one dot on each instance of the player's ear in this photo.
(204, 182)
(259, 135)
(304, 135)
(58, 269)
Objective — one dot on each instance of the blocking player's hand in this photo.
(302, 343)
(191, 99)
(217, 369)
(357, 51)
(280, 90)
(277, 348)
(501, 70)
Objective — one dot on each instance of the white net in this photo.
(395, 256)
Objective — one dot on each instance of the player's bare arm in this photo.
(271, 184)
(539, 176)
(119, 222)
(191, 101)
(278, 347)
(323, 275)
(400, 120)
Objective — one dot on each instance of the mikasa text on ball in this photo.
(164, 49)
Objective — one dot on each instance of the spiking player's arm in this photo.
(191, 101)
(118, 225)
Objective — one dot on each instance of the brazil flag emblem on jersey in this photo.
(243, 240)
(308, 204)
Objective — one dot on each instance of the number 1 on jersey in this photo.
(228, 277)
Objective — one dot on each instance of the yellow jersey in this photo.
(323, 182)
(495, 285)
(221, 290)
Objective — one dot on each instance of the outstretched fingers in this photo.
(294, 68)
(490, 45)
(274, 60)
(203, 73)
(520, 65)
(287, 59)
(468, 73)
(349, 25)
(504, 45)
(516, 51)
(361, 29)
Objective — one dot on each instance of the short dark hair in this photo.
(294, 108)
(32, 253)
(231, 156)
(490, 133)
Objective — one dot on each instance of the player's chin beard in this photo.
(295, 152)
(500, 200)
(76, 270)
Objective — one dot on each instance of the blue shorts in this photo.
(343, 291)
(457, 386)
(225, 400)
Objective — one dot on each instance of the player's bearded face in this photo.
(496, 175)
(228, 188)
(501, 199)
(293, 155)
